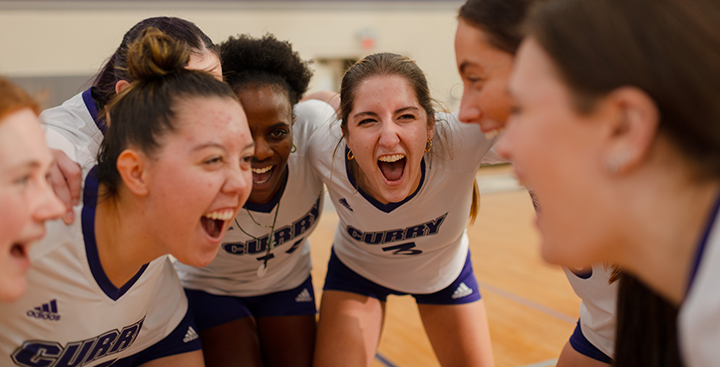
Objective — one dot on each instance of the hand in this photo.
(65, 178)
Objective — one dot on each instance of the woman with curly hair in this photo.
(254, 304)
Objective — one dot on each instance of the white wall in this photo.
(65, 38)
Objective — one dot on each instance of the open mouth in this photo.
(18, 250)
(213, 222)
(262, 175)
(392, 166)
(493, 133)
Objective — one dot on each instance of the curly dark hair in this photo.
(264, 61)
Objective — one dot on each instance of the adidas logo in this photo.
(304, 296)
(462, 291)
(344, 203)
(47, 311)
(190, 335)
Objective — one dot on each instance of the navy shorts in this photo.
(211, 310)
(584, 347)
(341, 278)
(181, 340)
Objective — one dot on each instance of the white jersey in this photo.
(73, 315)
(699, 317)
(420, 244)
(234, 272)
(598, 307)
(75, 128)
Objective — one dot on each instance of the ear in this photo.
(121, 85)
(132, 168)
(430, 127)
(632, 129)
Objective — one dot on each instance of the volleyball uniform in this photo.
(699, 317)
(75, 128)
(72, 315)
(234, 272)
(595, 332)
(419, 245)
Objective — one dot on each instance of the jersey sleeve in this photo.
(461, 142)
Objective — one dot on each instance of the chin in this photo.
(12, 289)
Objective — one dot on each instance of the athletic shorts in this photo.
(584, 347)
(341, 278)
(211, 310)
(181, 340)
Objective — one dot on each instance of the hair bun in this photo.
(155, 55)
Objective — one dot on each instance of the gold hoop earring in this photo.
(428, 146)
(294, 148)
(350, 155)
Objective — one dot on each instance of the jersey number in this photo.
(403, 249)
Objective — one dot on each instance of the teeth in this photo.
(220, 215)
(391, 158)
(262, 170)
(491, 134)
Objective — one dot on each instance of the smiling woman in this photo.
(172, 170)
(26, 199)
(401, 178)
(258, 290)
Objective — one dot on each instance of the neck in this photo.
(122, 234)
(664, 241)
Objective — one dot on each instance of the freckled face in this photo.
(485, 72)
(26, 198)
(558, 153)
(270, 118)
(387, 133)
(200, 178)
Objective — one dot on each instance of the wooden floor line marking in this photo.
(526, 302)
(548, 363)
(384, 360)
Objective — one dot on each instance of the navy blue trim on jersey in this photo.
(90, 197)
(387, 208)
(267, 208)
(579, 342)
(180, 340)
(702, 245)
(92, 108)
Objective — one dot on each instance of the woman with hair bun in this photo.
(78, 119)
(172, 171)
(254, 304)
(26, 199)
(616, 126)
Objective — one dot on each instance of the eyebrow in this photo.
(465, 64)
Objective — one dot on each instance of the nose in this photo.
(470, 111)
(238, 183)
(46, 205)
(263, 150)
(389, 134)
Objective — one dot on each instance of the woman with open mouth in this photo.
(616, 127)
(485, 47)
(26, 198)
(172, 172)
(401, 177)
(254, 305)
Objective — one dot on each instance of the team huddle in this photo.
(161, 217)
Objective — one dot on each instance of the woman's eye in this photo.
(214, 160)
(246, 161)
(277, 134)
(23, 181)
(366, 121)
